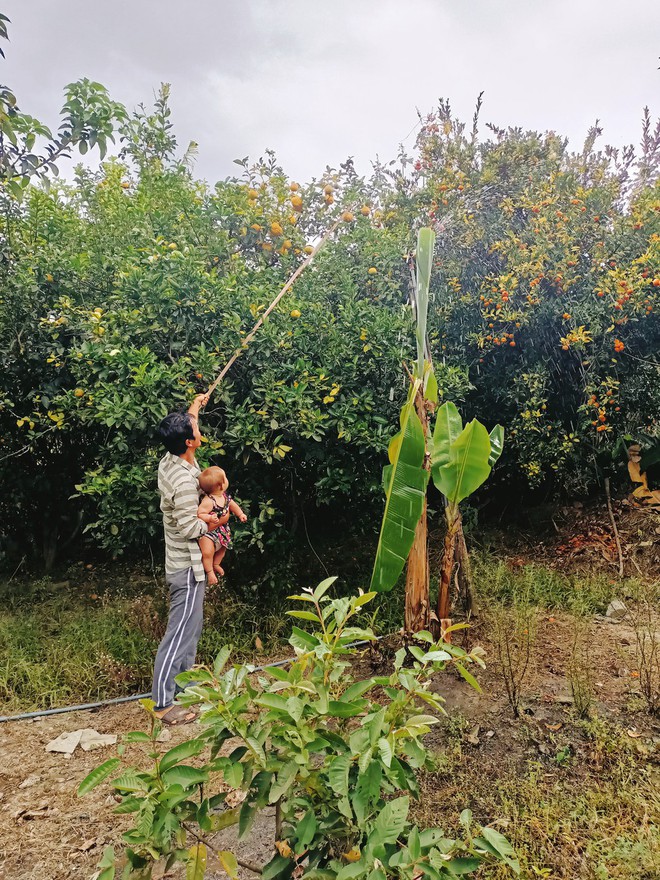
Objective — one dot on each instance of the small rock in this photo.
(164, 736)
(616, 611)
(33, 779)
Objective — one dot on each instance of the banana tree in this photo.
(403, 534)
(460, 459)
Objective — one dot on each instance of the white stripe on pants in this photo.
(176, 652)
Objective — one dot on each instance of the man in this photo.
(178, 473)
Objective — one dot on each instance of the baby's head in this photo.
(213, 480)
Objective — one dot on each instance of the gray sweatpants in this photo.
(176, 652)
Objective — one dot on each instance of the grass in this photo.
(60, 646)
(595, 816)
(545, 587)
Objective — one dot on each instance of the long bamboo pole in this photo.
(301, 268)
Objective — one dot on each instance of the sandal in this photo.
(177, 715)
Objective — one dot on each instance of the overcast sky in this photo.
(320, 80)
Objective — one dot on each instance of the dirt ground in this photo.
(46, 831)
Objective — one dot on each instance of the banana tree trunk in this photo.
(417, 610)
(464, 571)
(451, 535)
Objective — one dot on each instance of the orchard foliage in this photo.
(125, 291)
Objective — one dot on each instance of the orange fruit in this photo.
(253, 194)
(365, 210)
(294, 187)
(275, 228)
(295, 313)
(287, 243)
(329, 199)
(372, 270)
(296, 203)
(308, 249)
(347, 217)
(328, 189)
(79, 392)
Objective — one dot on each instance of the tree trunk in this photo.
(417, 611)
(444, 603)
(464, 571)
(416, 616)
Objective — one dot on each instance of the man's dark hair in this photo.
(174, 430)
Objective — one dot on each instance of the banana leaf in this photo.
(448, 426)
(424, 259)
(467, 465)
(496, 444)
(405, 481)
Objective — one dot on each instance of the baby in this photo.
(213, 483)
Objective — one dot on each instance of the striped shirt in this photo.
(179, 499)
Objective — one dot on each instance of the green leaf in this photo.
(233, 774)
(306, 829)
(355, 691)
(501, 846)
(196, 862)
(137, 736)
(448, 427)
(386, 750)
(221, 660)
(272, 701)
(462, 866)
(225, 819)
(229, 863)
(467, 467)
(304, 615)
(276, 866)
(283, 781)
(107, 864)
(245, 818)
(323, 587)
(405, 493)
(391, 821)
(97, 776)
(496, 444)
(359, 601)
(179, 753)
(185, 776)
(338, 774)
(367, 790)
(301, 639)
(341, 709)
(471, 680)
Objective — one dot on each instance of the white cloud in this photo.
(320, 81)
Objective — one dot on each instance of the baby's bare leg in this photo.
(206, 545)
(217, 561)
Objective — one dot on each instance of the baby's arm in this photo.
(236, 510)
(204, 511)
